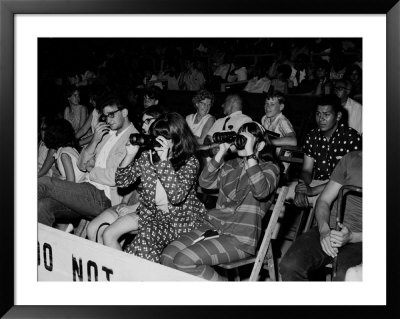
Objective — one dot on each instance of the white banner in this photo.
(66, 257)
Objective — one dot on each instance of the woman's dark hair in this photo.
(69, 90)
(268, 153)
(202, 95)
(60, 133)
(173, 126)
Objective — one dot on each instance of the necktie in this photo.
(226, 121)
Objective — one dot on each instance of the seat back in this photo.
(265, 243)
(264, 246)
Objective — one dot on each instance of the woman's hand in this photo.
(166, 146)
(124, 209)
(250, 141)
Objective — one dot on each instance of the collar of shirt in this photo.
(235, 113)
(120, 133)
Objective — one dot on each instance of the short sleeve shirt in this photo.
(327, 154)
(349, 172)
(280, 125)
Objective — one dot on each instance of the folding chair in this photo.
(350, 189)
(264, 255)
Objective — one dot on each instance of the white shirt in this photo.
(354, 110)
(236, 120)
(101, 159)
(197, 128)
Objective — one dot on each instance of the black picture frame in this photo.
(8, 10)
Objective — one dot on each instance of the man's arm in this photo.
(307, 169)
(289, 139)
(300, 198)
(322, 214)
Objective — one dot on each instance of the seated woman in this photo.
(60, 136)
(245, 183)
(201, 121)
(46, 161)
(167, 172)
(75, 113)
(110, 225)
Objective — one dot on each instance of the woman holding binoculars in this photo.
(245, 183)
(166, 173)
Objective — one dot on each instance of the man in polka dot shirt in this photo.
(323, 148)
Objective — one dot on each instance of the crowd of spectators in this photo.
(93, 98)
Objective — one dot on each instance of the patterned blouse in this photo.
(327, 154)
(242, 198)
(186, 212)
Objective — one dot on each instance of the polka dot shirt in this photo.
(326, 154)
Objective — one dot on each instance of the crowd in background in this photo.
(89, 88)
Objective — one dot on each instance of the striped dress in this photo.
(242, 198)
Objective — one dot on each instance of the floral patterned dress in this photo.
(157, 228)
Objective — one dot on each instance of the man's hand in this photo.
(340, 238)
(303, 188)
(300, 200)
(100, 130)
(326, 244)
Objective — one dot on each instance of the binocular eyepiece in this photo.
(230, 137)
(145, 141)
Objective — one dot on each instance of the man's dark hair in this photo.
(153, 92)
(331, 100)
(112, 100)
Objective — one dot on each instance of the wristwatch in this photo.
(253, 156)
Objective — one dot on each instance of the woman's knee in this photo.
(168, 255)
(182, 260)
(110, 236)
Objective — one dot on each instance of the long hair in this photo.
(60, 133)
(268, 153)
(173, 126)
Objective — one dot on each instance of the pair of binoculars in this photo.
(230, 137)
(145, 141)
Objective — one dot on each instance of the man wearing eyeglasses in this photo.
(60, 199)
(353, 108)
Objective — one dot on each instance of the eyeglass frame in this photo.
(110, 115)
(341, 88)
(147, 121)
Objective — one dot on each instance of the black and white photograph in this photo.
(198, 159)
(146, 145)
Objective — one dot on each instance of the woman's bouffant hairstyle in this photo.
(268, 153)
(60, 133)
(173, 126)
(202, 95)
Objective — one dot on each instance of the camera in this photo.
(145, 141)
(232, 138)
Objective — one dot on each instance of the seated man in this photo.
(63, 200)
(316, 248)
(353, 108)
(324, 147)
(233, 120)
